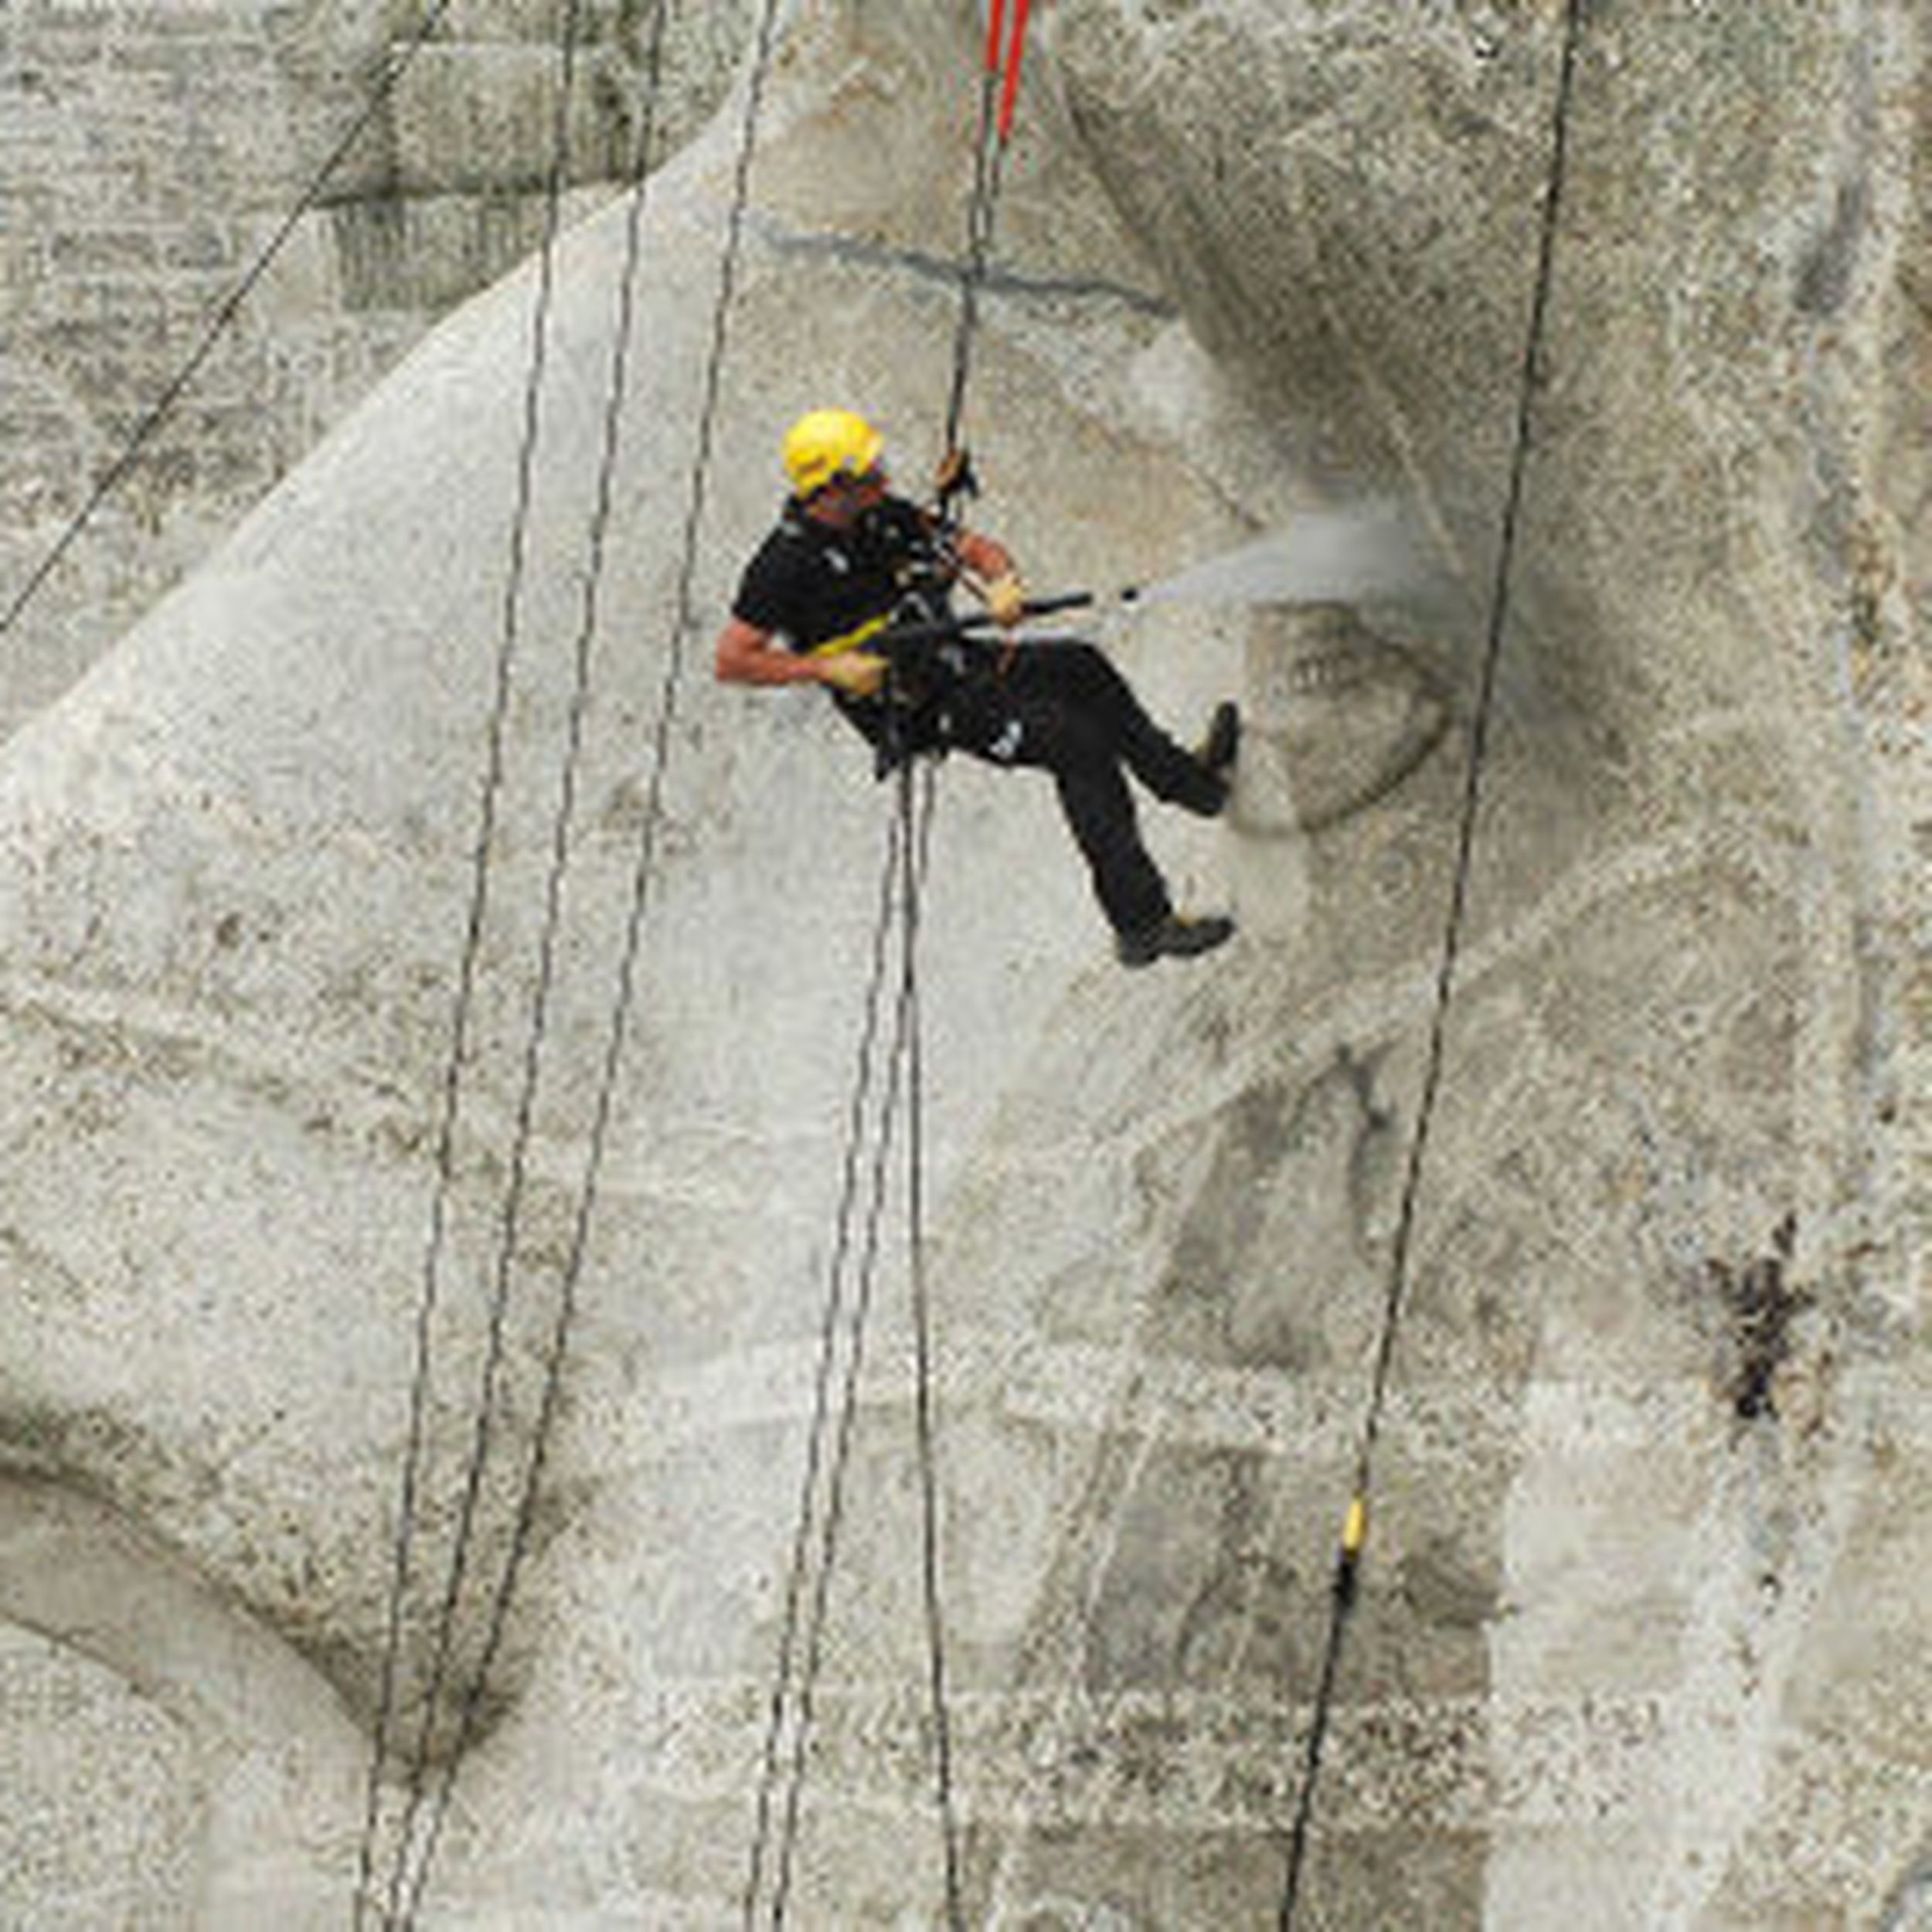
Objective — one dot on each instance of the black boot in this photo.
(1222, 744)
(1173, 937)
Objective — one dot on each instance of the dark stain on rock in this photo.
(1759, 1303)
(1238, 1288)
(71, 1445)
(1242, 1626)
(1439, 1585)
(1193, 1592)
(1224, 1222)
(1825, 276)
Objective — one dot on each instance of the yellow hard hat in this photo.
(828, 443)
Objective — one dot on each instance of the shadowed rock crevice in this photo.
(273, 1576)
(151, 1727)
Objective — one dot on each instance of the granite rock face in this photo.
(1638, 1637)
(153, 153)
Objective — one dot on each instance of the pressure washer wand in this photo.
(974, 622)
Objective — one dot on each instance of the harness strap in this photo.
(853, 639)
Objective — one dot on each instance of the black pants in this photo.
(1063, 708)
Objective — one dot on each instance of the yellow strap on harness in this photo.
(853, 640)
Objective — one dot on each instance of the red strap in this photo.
(1020, 9)
(992, 36)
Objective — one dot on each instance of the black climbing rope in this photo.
(644, 873)
(562, 828)
(1355, 1524)
(508, 640)
(925, 1420)
(999, 85)
(809, 1583)
(222, 318)
(790, 1711)
(857, 1132)
(982, 206)
(827, 1451)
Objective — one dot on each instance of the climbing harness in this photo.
(222, 318)
(1355, 1529)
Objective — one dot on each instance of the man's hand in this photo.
(857, 673)
(1006, 599)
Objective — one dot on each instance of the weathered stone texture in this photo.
(71, 1734)
(1640, 1635)
(149, 153)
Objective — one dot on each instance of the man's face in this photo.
(846, 498)
(867, 490)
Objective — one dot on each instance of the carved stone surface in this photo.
(1638, 1637)
(98, 1824)
(150, 153)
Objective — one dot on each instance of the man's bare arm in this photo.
(745, 655)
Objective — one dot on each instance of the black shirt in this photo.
(811, 585)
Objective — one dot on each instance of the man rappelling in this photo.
(853, 591)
